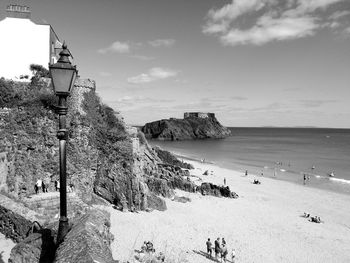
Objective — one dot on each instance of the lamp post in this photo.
(63, 74)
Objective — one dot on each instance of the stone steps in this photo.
(48, 204)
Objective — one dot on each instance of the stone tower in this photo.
(18, 9)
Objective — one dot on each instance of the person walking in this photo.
(246, 172)
(209, 248)
(43, 186)
(223, 241)
(224, 180)
(217, 247)
(39, 184)
(223, 252)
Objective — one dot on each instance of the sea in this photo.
(279, 153)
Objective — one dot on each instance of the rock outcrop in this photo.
(216, 190)
(88, 241)
(189, 128)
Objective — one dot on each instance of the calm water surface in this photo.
(286, 152)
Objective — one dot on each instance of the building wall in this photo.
(202, 115)
(23, 43)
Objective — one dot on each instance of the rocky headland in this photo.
(194, 125)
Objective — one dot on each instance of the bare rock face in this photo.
(88, 241)
(186, 129)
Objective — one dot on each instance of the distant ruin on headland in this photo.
(202, 115)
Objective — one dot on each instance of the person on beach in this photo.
(217, 247)
(223, 252)
(223, 241)
(304, 178)
(224, 181)
(209, 248)
(233, 255)
(246, 172)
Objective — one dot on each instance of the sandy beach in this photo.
(263, 225)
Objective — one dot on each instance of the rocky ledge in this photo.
(193, 126)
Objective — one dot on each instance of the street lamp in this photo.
(63, 75)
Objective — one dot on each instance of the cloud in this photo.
(153, 74)
(116, 47)
(273, 20)
(339, 14)
(162, 42)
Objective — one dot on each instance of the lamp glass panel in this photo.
(73, 80)
(62, 79)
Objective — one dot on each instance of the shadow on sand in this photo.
(202, 253)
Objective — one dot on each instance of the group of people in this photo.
(256, 181)
(314, 219)
(219, 249)
(306, 177)
(147, 253)
(41, 185)
(147, 247)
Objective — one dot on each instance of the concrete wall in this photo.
(23, 43)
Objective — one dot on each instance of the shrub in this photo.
(39, 71)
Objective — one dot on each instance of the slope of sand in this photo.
(6, 245)
(263, 225)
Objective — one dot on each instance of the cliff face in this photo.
(105, 157)
(186, 129)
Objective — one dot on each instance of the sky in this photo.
(253, 63)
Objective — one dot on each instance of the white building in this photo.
(24, 42)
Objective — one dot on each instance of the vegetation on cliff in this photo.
(105, 157)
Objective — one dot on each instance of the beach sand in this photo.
(6, 245)
(263, 225)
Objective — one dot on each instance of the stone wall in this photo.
(81, 86)
(48, 204)
(202, 115)
(16, 220)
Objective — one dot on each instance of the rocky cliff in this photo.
(105, 157)
(186, 129)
